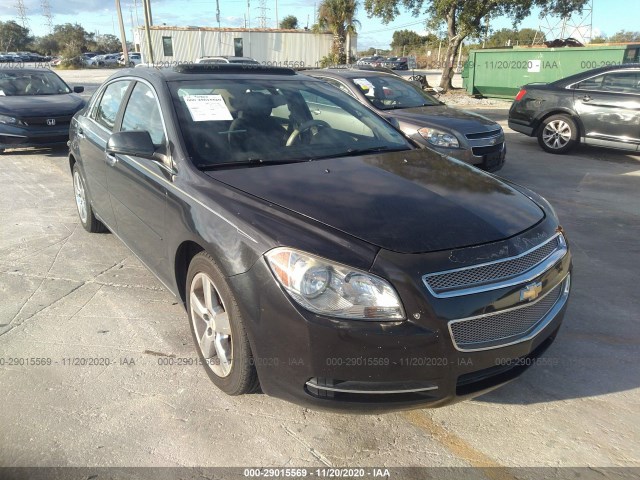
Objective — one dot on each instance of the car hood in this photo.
(462, 121)
(423, 204)
(41, 105)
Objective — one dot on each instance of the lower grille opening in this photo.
(470, 383)
(480, 151)
(370, 392)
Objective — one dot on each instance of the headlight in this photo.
(439, 138)
(332, 289)
(7, 120)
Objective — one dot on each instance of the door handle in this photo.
(110, 159)
(586, 98)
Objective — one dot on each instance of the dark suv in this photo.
(334, 263)
(600, 107)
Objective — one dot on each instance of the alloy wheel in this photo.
(211, 325)
(80, 194)
(556, 134)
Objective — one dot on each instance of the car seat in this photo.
(255, 130)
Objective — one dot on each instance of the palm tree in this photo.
(337, 16)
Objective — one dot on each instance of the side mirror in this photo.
(134, 143)
(78, 89)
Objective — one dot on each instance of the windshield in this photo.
(231, 122)
(31, 83)
(387, 92)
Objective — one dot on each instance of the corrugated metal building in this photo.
(296, 48)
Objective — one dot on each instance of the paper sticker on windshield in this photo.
(364, 84)
(204, 108)
(2, 93)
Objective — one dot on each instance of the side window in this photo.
(322, 108)
(143, 113)
(108, 106)
(593, 83)
(624, 82)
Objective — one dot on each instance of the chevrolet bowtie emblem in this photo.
(531, 292)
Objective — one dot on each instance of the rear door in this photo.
(609, 107)
(93, 132)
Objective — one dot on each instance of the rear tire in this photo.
(83, 202)
(558, 134)
(218, 329)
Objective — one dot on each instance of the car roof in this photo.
(206, 71)
(349, 73)
(587, 73)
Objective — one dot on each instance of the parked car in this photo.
(598, 107)
(461, 134)
(134, 59)
(228, 59)
(396, 63)
(333, 262)
(36, 107)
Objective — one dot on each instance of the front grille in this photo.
(60, 120)
(480, 135)
(480, 151)
(503, 327)
(494, 271)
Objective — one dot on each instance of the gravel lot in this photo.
(68, 294)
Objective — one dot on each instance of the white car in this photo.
(134, 59)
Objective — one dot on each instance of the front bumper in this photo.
(491, 158)
(33, 136)
(361, 366)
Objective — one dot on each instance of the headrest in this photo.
(256, 104)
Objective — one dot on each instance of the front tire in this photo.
(218, 329)
(87, 218)
(558, 134)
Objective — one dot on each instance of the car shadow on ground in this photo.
(57, 152)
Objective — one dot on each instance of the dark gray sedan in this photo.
(599, 107)
(36, 107)
(461, 134)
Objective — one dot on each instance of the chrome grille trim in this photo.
(501, 273)
(483, 135)
(489, 323)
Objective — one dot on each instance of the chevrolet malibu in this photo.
(335, 264)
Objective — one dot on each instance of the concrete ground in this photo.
(67, 294)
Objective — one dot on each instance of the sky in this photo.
(609, 16)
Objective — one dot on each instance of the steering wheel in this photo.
(303, 128)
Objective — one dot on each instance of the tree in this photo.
(465, 18)
(108, 43)
(509, 37)
(289, 23)
(337, 16)
(624, 37)
(13, 37)
(47, 45)
(409, 39)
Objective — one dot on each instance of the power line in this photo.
(46, 13)
(421, 22)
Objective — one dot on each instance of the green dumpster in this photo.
(501, 72)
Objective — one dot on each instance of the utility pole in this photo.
(123, 37)
(147, 24)
(219, 29)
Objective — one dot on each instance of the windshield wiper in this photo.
(351, 152)
(244, 163)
